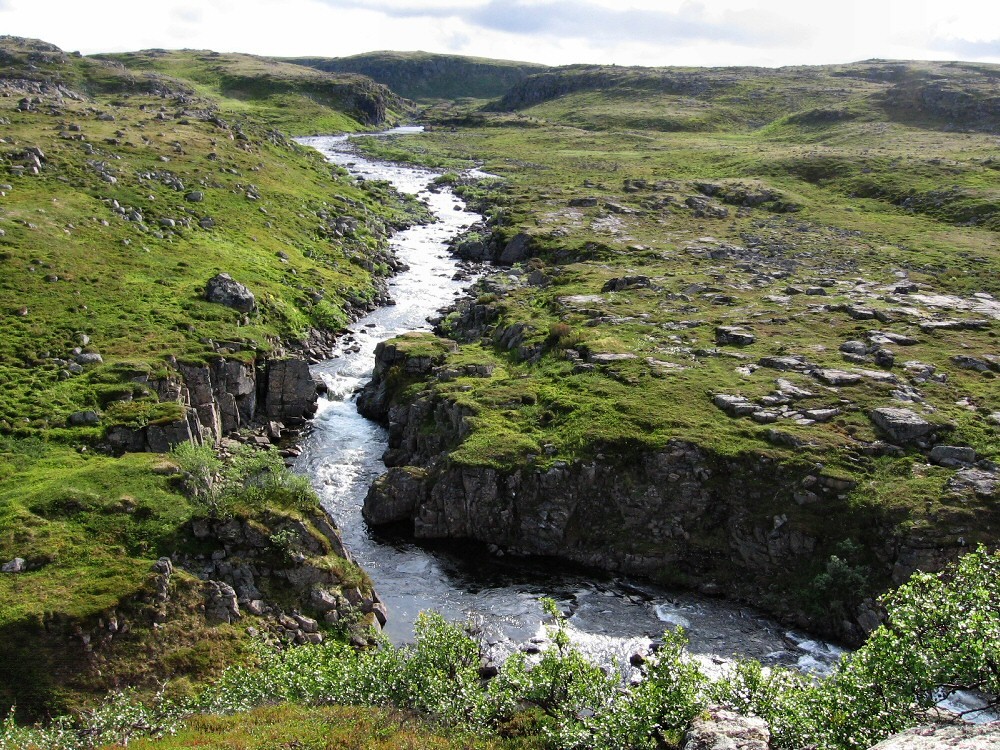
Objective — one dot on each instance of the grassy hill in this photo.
(125, 185)
(423, 75)
(845, 218)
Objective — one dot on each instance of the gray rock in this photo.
(952, 455)
(291, 392)
(821, 415)
(837, 377)
(607, 358)
(517, 250)
(17, 565)
(854, 347)
(221, 604)
(785, 363)
(815, 291)
(89, 358)
(733, 335)
(974, 363)
(84, 419)
(626, 282)
(589, 202)
(982, 483)
(945, 737)
(722, 729)
(734, 406)
(395, 495)
(195, 196)
(223, 290)
(901, 425)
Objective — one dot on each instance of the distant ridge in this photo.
(424, 75)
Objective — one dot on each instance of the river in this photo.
(609, 618)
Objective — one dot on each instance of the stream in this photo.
(609, 618)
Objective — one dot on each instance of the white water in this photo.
(608, 618)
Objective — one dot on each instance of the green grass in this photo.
(860, 190)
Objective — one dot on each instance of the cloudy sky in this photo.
(626, 32)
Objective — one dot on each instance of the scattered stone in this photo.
(84, 419)
(854, 347)
(17, 565)
(785, 363)
(885, 358)
(959, 736)
(901, 425)
(974, 363)
(821, 415)
(837, 378)
(588, 202)
(952, 455)
(983, 483)
(953, 325)
(733, 335)
(721, 729)
(89, 358)
(816, 291)
(223, 290)
(625, 282)
(792, 391)
(195, 196)
(608, 358)
(734, 406)
(765, 416)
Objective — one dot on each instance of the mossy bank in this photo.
(746, 340)
(169, 263)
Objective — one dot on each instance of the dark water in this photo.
(609, 618)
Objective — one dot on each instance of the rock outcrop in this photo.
(220, 397)
(945, 737)
(721, 729)
(224, 290)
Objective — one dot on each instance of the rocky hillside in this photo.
(955, 95)
(295, 98)
(169, 262)
(421, 75)
(754, 357)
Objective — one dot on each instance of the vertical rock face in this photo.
(291, 392)
(721, 729)
(220, 397)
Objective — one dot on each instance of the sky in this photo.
(556, 32)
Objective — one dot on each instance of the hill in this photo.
(422, 75)
(747, 341)
(737, 99)
(125, 192)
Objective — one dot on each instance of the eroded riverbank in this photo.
(342, 456)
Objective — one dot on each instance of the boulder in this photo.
(83, 419)
(721, 729)
(952, 455)
(220, 602)
(837, 377)
(291, 392)
(517, 250)
(945, 737)
(223, 290)
(734, 406)
(89, 358)
(395, 495)
(17, 565)
(901, 425)
(733, 335)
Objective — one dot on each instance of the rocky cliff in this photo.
(748, 525)
(221, 397)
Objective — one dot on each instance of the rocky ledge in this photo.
(747, 526)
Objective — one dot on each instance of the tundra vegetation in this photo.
(692, 252)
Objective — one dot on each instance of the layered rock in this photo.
(220, 397)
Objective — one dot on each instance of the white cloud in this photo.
(628, 32)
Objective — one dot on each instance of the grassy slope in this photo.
(327, 728)
(882, 192)
(294, 98)
(89, 525)
(423, 75)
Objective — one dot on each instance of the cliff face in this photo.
(221, 397)
(747, 526)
